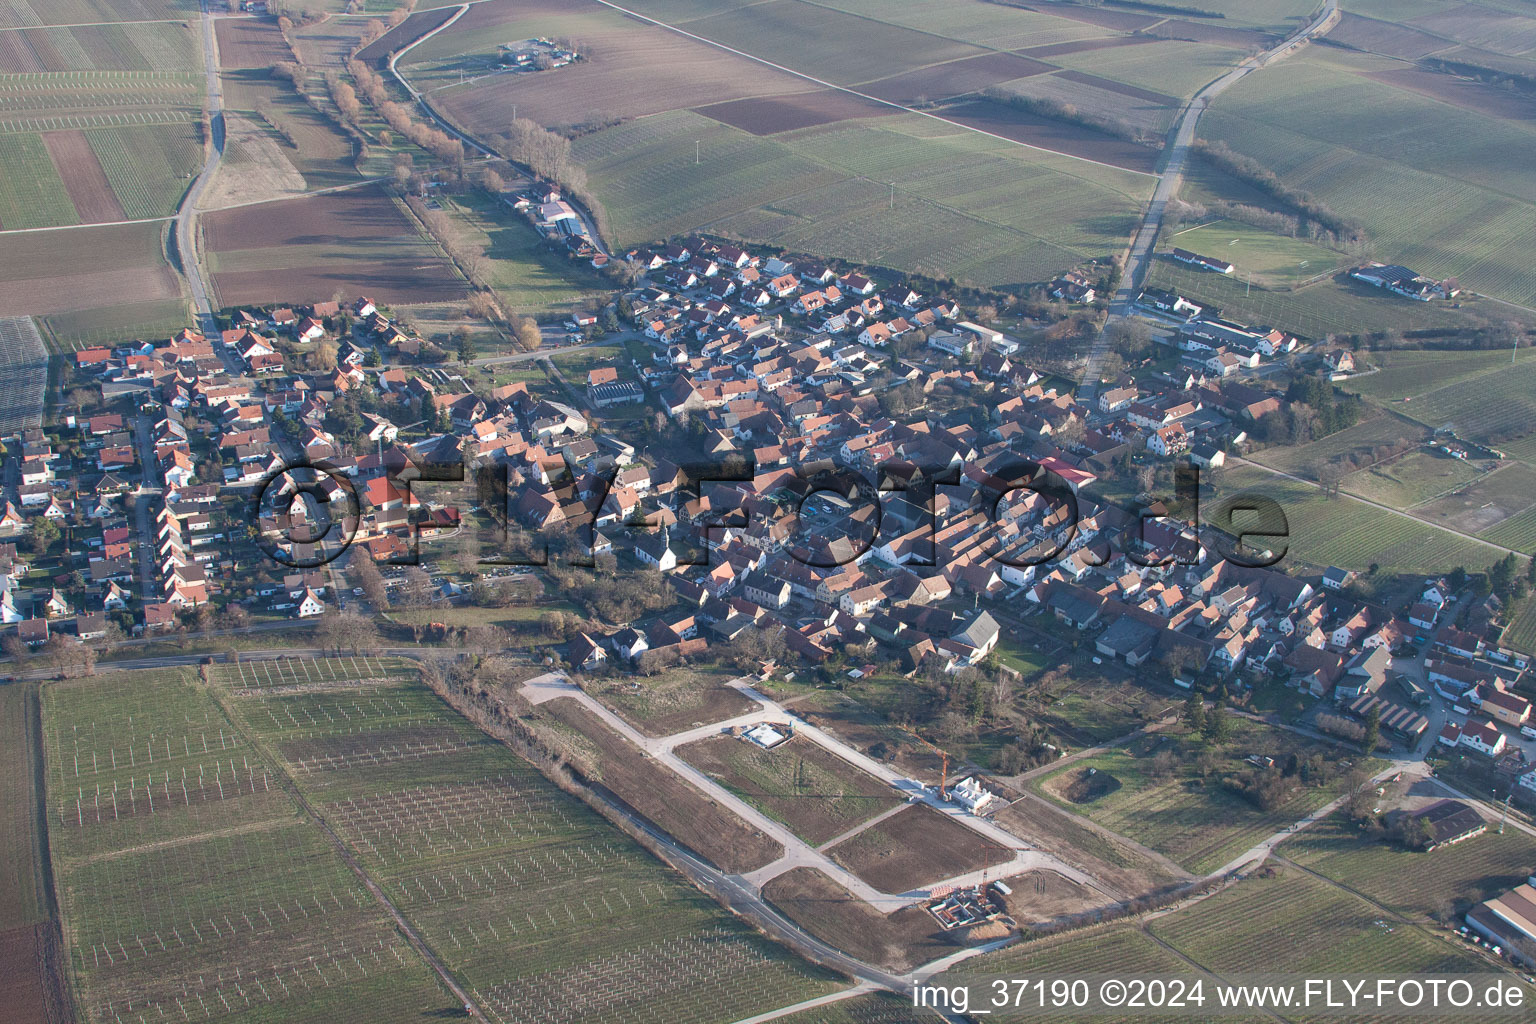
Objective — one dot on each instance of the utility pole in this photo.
(893, 195)
(695, 152)
(1504, 814)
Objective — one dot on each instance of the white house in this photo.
(311, 605)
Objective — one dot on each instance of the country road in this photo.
(186, 216)
(1181, 140)
(416, 94)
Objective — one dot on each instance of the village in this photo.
(860, 496)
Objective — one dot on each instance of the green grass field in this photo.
(131, 321)
(1414, 884)
(517, 886)
(1305, 925)
(1334, 305)
(1356, 442)
(530, 277)
(1265, 255)
(958, 209)
(34, 195)
(1353, 535)
(1415, 478)
(1199, 823)
(1450, 197)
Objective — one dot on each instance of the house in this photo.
(1194, 259)
(586, 653)
(981, 636)
(630, 643)
(1117, 399)
(1207, 455)
(1168, 302)
(1483, 737)
(1423, 615)
(310, 605)
(1365, 672)
(1509, 708)
(32, 632)
(1169, 440)
(1337, 579)
(1340, 360)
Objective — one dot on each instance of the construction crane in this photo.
(943, 761)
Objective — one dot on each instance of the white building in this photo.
(971, 795)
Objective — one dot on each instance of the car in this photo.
(1528, 732)
(357, 591)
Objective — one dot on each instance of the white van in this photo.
(1528, 732)
(1459, 710)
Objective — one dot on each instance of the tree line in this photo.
(1255, 174)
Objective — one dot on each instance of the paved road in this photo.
(798, 853)
(1180, 142)
(464, 137)
(186, 217)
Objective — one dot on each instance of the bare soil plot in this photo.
(1040, 897)
(59, 271)
(1494, 498)
(1049, 133)
(412, 28)
(865, 731)
(1120, 87)
(27, 990)
(255, 167)
(672, 701)
(1461, 92)
(656, 792)
(394, 282)
(956, 78)
(1119, 867)
(769, 115)
(916, 847)
(250, 43)
(628, 70)
(1384, 37)
(308, 249)
(83, 177)
(897, 941)
(818, 794)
